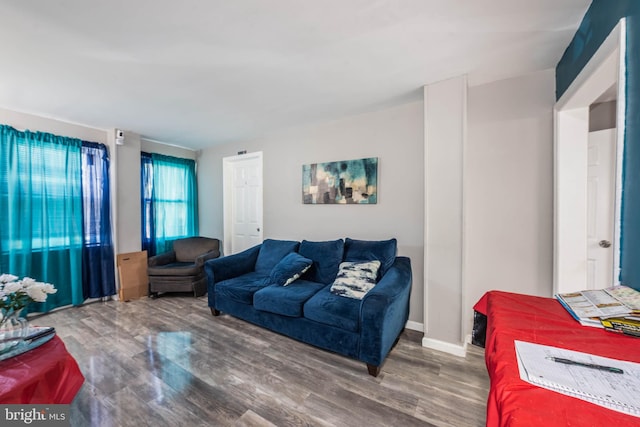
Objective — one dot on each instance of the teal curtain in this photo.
(41, 210)
(174, 200)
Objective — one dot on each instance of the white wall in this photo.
(507, 178)
(602, 116)
(509, 188)
(394, 135)
(128, 206)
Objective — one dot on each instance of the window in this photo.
(41, 187)
(54, 203)
(98, 276)
(95, 194)
(169, 201)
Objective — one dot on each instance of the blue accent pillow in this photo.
(326, 257)
(271, 252)
(355, 279)
(289, 269)
(369, 250)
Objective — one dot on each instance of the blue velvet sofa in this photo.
(250, 285)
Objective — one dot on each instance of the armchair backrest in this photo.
(188, 249)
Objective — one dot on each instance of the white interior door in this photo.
(243, 202)
(601, 158)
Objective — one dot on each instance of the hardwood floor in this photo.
(168, 362)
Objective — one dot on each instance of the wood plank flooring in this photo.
(168, 362)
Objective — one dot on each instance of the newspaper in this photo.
(588, 307)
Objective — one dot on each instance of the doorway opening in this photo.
(575, 198)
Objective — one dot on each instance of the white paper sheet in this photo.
(616, 391)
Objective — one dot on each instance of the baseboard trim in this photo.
(414, 326)
(446, 347)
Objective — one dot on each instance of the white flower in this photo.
(38, 291)
(4, 278)
(17, 294)
(12, 287)
(28, 281)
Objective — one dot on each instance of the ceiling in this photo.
(195, 73)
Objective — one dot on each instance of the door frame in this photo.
(571, 118)
(228, 164)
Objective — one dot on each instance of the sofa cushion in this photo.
(384, 251)
(271, 252)
(287, 301)
(326, 257)
(289, 268)
(175, 269)
(329, 309)
(242, 288)
(355, 279)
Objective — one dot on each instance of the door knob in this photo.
(258, 229)
(604, 243)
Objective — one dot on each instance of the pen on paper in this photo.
(587, 365)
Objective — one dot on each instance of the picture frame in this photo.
(349, 182)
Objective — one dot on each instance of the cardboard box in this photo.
(132, 270)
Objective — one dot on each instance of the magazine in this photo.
(628, 296)
(624, 325)
(590, 306)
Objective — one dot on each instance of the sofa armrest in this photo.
(228, 267)
(201, 259)
(384, 312)
(231, 266)
(162, 259)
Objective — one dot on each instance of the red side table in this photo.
(47, 374)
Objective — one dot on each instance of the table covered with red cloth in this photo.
(514, 402)
(47, 374)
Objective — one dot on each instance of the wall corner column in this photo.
(445, 123)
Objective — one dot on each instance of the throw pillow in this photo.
(271, 252)
(289, 269)
(355, 279)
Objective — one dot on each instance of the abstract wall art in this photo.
(342, 182)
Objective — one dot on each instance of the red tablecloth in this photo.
(47, 374)
(514, 402)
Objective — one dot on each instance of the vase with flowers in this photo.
(14, 296)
